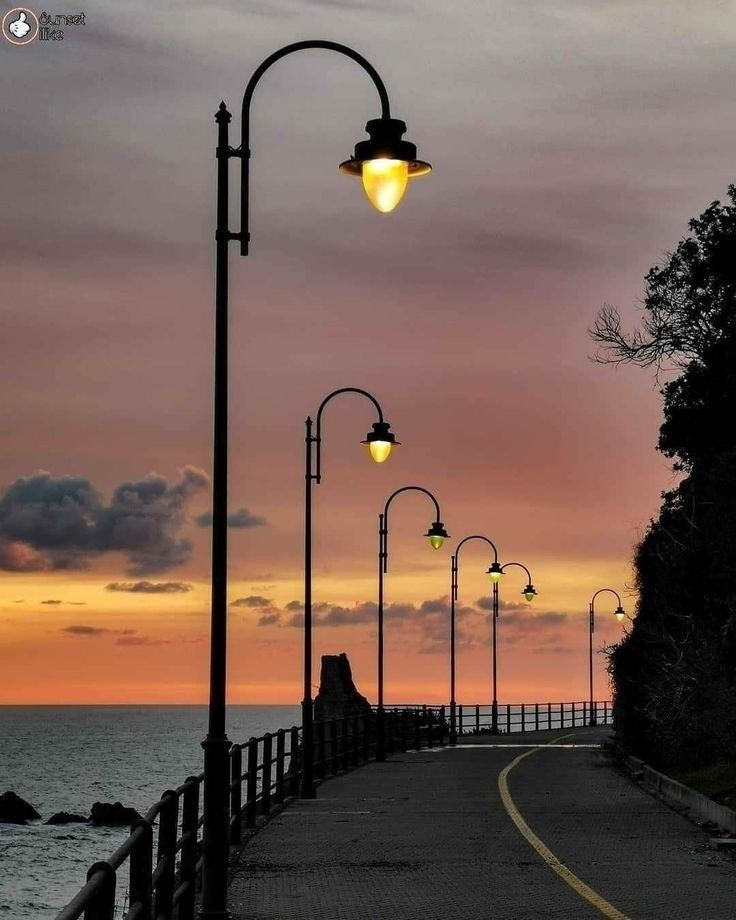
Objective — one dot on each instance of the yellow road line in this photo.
(577, 885)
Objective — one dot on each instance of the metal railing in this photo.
(265, 772)
(524, 717)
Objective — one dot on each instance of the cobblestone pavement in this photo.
(425, 836)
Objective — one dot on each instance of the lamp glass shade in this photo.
(384, 182)
(495, 573)
(380, 450)
(435, 540)
(620, 613)
(530, 592)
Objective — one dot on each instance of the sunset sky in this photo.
(571, 142)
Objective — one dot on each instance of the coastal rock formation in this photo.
(15, 810)
(113, 815)
(338, 696)
(66, 817)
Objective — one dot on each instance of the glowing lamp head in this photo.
(437, 534)
(381, 441)
(495, 572)
(620, 613)
(385, 163)
(530, 592)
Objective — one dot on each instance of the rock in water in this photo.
(15, 810)
(338, 696)
(65, 817)
(113, 815)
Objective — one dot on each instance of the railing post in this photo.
(508, 719)
(251, 784)
(404, 731)
(573, 715)
(294, 761)
(536, 717)
(266, 774)
(428, 713)
(345, 752)
(188, 859)
(523, 717)
(417, 731)
(321, 764)
(477, 718)
(236, 772)
(388, 731)
(354, 749)
(334, 759)
(366, 727)
(103, 907)
(166, 855)
(280, 749)
(460, 719)
(442, 726)
(549, 715)
(141, 857)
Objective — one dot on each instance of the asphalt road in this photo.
(432, 834)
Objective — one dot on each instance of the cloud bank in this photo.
(62, 522)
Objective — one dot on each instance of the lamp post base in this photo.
(494, 718)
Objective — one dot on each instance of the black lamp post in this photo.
(380, 442)
(620, 614)
(453, 598)
(386, 163)
(436, 536)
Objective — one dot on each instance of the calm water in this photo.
(64, 758)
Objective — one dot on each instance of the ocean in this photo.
(64, 758)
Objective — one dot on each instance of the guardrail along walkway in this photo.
(499, 827)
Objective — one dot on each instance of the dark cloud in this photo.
(69, 603)
(141, 640)
(242, 519)
(62, 522)
(150, 587)
(82, 630)
(270, 619)
(253, 600)
(485, 602)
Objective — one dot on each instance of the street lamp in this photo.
(453, 599)
(381, 441)
(369, 162)
(436, 536)
(620, 613)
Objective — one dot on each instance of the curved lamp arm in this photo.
(317, 439)
(603, 591)
(244, 152)
(520, 565)
(592, 604)
(384, 517)
(457, 555)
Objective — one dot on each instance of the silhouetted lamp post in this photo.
(453, 598)
(436, 536)
(385, 163)
(620, 613)
(380, 442)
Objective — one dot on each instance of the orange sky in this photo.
(570, 148)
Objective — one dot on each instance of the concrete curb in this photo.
(699, 805)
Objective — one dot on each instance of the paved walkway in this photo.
(427, 835)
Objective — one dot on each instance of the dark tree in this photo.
(674, 675)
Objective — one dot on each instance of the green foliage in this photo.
(674, 675)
